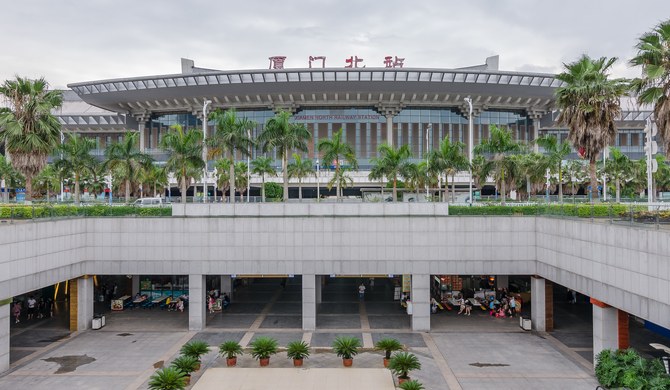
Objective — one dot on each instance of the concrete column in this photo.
(308, 302)
(5, 319)
(196, 302)
(420, 297)
(135, 284)
(227, 286)
(605, 327)
(318, 287)
(140, 129)
(389, 129)
(537, 303)
(81, 303)
(622, 327)
(536, 134)
(502, 281)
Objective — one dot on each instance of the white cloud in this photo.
(73, 41)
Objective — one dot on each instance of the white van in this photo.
(150, 202)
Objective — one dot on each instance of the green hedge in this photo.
(48, 211)
(576, 210)
(626, 369)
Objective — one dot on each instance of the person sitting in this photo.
(462, 306)
(468, 307)
(180, 305)
(500, 313)
(226, 300)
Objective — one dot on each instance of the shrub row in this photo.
(48, 211)
(573, 210)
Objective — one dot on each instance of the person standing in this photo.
(361, 291)
(16, 311)
(512, 305)
(31, 307)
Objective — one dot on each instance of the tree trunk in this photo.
(560, 183)
(155, 188)
(48, 194)
(263, 188)
(231, 172)
(76, 188)
(594, 179)
(127, 191)
(299, 190)
(29, 188)
(453, 189)
(395, 191)
(284, 168)
(528, 189)
(182, 187)
(618, 190)
(502, 188)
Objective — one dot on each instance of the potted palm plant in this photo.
(231, 349)
(262, 348)
(346, 348)
(195, 349)
(297, 350)
(411, 385)
(168, 378)
(402, 363)
(185, 364)
(388, 345)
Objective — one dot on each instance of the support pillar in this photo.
(140, 129)
(135, 284)
(318, 287)
(308, 302)
(623, 332)
(227, 286)
(536, 133)
(81, 303)
(389, 129)
(605, 327)
(542, 304)
(502, 281)
(5, 310)
(196, 302)
(420, 297)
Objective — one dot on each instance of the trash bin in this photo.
(97, 323)
(525, 323)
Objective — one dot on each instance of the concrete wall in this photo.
(625, 267)
(622, 266)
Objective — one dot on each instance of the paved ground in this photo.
(476, 352)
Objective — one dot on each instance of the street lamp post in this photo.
(204, 150)
(470, 141)
(318, 181)
(249, 167)
(428, 128)
(548, 175)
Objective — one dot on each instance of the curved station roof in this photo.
(387, 89)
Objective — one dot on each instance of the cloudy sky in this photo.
(72, 41)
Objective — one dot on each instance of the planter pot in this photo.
(231, 362)
(347, 362)
(264, 362)
(297, 362)
(402, 380)
(187, 380)
(197, 367)
(386, 362)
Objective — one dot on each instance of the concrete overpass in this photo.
(622, 268)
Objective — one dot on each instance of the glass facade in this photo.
(365, 129)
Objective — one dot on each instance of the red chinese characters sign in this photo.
(277, 62)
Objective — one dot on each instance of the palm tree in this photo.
(285, 137)
(28, 128)
(337, 149)
(449, 159)
(618, 167)
(185, 148)
(7, 174)
(94, 179)
(232, 135)
(392, 162)
(49, 179)
(76, 159)
(222, 167)
(300, 169)
(155, 176)
(500, 145)
(417, 176)
(376, 173)
(125, 160)
(340, 180)
(590, 104)
(529, 169)
(481, 170)
(263, 166)
(556, 153)
(662, 174)
(653, 88)
(241, 179)
(574, 169)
